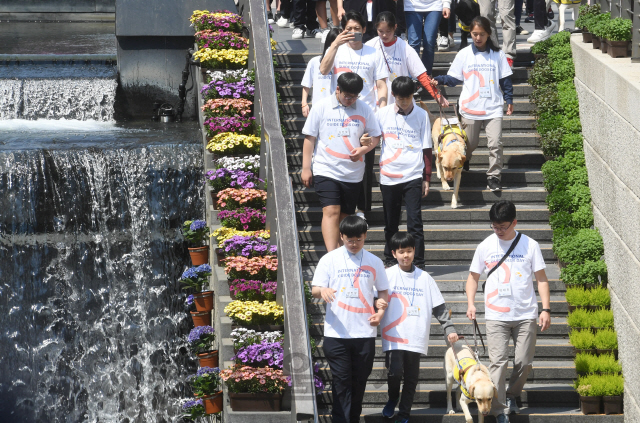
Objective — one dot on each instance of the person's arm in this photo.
(507, 91)
(330, 55)
(427, 155)
(471, 288)
(341, 11)
(442, 314)
(323, 292)
(545, 296)
(427, 82)
(358, 152)
(307, 155)
(374, 319)
(447, 80)
(305, 106)
(381, 86)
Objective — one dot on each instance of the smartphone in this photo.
(357, 36)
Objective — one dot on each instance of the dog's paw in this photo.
(451, 411)
(446, 187)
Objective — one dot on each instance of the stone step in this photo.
(476, 177)
(434, 214)
(454, 234)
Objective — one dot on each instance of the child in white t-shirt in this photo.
(487, 85)
(346, 279)
(323, 85)
(413, 298)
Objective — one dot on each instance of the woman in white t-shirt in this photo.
(423, 18)
(323, 85)
(483, 70)
(399, 58)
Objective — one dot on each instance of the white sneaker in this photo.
(498, 19)
(282, 22)
(298, 33)
(292, 24)
(542, 34)
(443, 43)
(452, 42)
(320, 33)
(325, 32)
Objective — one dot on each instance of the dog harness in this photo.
(452, 129)
(460, 374)
(464, 27)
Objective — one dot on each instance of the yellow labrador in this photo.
(476, 387)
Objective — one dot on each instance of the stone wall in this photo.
(57, 6)
(609, 95)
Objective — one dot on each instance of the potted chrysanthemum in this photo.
(200, 341)
(196, 232)
(255, 389)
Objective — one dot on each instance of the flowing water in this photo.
(93, 321)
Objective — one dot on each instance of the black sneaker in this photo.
(529, 19)
(270, 17)
(277, 16)
(521, 31)
(465, 166)
(493, 184)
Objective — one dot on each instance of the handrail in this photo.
(281, 219)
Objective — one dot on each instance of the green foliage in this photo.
(562, 219)
(602, 318)
(583, 363)
(563, 70)
(590, 386)
(555, 175)
(585, 13)
(541, 73)
(580, 196)
(568, 100)
(593, 21)
(560, 52)
(599, 29)
(574, 160)
(543, 47)
(577, 296)
(578, 274)
(545, 99)
(591, 364)
(559, 200)
(618, 29)
(613, 385)
(548, 122)
(599, 296)
(551, 141)
(560, 234)
(571, 125)
(571, 142)
(606, 339)
(582, 218)
(582, 339)
(579, 318)
(579, 176)
(584, 246)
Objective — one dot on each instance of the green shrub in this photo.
(571, 142)
(579, 176)
(584, 362)
(562, 219)
(613, 385)
(602, 318)
(563, 70)
(606, 363)
(590, 386)
(597, 19)
(599, 296)
(585, 13)
(560, 236)
(605, 339)
(582, 340)
(568, 99)
(548, 122)
(618, 29)
(577, 296)
(551, 141)
(578, 274)
(545, 98)
(583, 217)
(541, 74)
(571, 125)
(559, 200)
(579, 318)
(599, 29)
(584, 246)
(580, 196)
(560, 52)
(555, 175)
(543, 47)
(573, 160)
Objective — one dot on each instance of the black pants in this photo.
(392, 196)
(540, 14)
(350, 361)
(400, 19)
(401, 363)
(448, 25)
(285, 8)
(303, 14)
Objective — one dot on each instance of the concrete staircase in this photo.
(451, 236)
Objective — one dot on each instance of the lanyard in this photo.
(413, 295)
(359, 266)
(395, 117)
(384, 54)
(359, 60)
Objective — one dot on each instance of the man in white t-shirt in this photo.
(511, 306)
(348, 55)
(332, 138)
(413, 298)
(346, 279)
(405, 165)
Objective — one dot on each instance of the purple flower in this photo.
(199, 332)
(190, 300)
(197, 225)
(190, 404)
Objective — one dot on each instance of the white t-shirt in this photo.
(404, 137)
(406, 323)
(367, 63)
(481, 71)
(401, 58)
(347, 316)
(323, 85)
(328, 121)
(426, 5)
(515, 277)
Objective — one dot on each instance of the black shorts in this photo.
(337, 193)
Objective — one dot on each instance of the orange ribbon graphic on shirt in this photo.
(405, 304)
(391, 159)
(346, 138)
(507, 278)
(475, 95)
(356, 284)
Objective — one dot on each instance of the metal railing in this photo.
(281, 218)
(624, 9)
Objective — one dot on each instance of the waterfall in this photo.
(90, 253)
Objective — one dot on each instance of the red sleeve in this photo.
(425, 80)
(427, 154)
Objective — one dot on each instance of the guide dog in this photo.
(473, 379)
(466, 10)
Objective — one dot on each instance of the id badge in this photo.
(343, 132)
(504, 290)
(392, 76)
(395, 144)
(352, 292)
(485, 92)
(413, 311)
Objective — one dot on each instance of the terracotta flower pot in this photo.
(612, 405)
(618, 48)
(209, 359)
(591, 405)
(199, 255)
(201, 318)
(255, 402)
(596, 42)
(204, 301)
(587, 37)
(213, 403)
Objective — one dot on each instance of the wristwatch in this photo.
(548, 310)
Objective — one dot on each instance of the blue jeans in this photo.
(423, 26)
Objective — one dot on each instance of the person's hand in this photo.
(471, 312)
(307, 177)
(343, 38)
(328, 294)
(443, 101)
(357, 153)
(340, 13)
(425, 188)
(509, 109)
(381, 304)
(433, 82)
(545, 321)
(305, 110)
(365, 140)
(375, 319)
(452, 338)
(446, 12)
